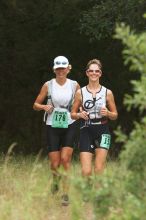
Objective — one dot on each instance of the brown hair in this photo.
(94, 61)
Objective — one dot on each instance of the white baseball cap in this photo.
(60, 62)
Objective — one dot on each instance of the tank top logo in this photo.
(90, 103)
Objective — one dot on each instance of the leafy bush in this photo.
(134, 52)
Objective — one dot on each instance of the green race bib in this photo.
(60, 119)
(105, 141)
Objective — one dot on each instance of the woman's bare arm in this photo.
(76, 106)
(38, 106)
(111, 110)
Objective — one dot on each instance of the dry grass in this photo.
(25, 192)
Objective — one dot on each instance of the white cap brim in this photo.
(60, 66)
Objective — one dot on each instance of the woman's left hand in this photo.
(104, 112)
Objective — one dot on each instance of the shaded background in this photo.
(33, 32)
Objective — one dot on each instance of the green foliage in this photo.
(99, 21)
(120, 137)
(134, 52)
(135, 55)
(134, 155)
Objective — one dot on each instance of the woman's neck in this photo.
(94, 86)
(61, 81)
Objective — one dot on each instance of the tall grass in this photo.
(25, 193)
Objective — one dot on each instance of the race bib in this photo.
(60, 119)
(105, 141)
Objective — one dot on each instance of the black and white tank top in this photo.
(93, 105)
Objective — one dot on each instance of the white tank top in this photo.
(93, 105)
(61, 96)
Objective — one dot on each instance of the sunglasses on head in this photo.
(59, 63)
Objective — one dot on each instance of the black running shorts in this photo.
(61, 137)
(94, 136)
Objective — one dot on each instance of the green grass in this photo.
(25, 193)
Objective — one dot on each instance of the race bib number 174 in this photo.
(60, 119)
